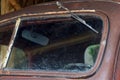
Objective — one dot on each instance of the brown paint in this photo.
(104, 69)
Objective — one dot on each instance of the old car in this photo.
(63, 40)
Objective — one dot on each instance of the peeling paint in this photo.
(103, 42)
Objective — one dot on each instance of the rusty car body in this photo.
(61, 31)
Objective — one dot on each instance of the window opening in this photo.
(64, 45)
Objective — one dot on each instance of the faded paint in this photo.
(103, 69)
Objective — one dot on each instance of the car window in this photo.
(56, 45)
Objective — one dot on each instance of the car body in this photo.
(103, 13)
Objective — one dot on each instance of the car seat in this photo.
(91, 54)
(17, 59)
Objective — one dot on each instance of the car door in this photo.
(53, 43)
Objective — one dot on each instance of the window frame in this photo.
(117, 62)
(70, 74)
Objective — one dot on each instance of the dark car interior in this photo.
(53, 44)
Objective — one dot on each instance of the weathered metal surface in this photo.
(105, 66)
